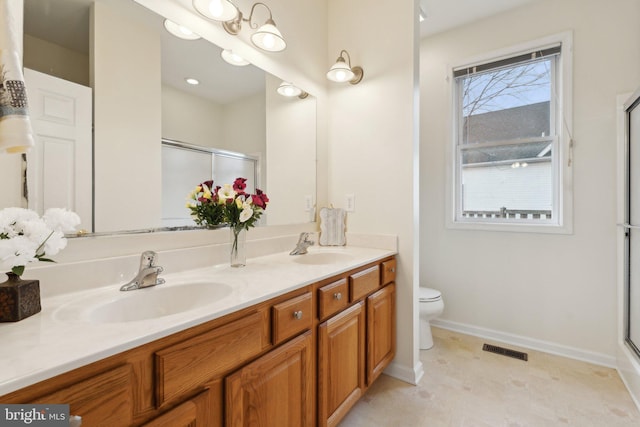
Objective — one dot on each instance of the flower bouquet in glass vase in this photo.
(25, 237)
(237, 209)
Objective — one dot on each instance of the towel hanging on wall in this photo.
(16, 135)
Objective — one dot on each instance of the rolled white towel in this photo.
(16, 134)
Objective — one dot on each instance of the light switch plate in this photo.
(350, 203)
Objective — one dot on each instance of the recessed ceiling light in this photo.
(192, 81)
(233, 58)
(180, 31)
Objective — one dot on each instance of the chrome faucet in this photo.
(303, 244)
(147, 273)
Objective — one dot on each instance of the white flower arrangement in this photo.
(25, 237)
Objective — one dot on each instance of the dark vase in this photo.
(19, 298)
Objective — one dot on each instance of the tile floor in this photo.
(464, 386)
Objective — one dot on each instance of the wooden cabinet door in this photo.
(341, 345)
(105, 399)
(276, 390)
(381, 331)
(192, 413)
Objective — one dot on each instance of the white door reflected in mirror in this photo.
(59, 166)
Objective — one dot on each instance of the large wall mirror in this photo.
(138, 97)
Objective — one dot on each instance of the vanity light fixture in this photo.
(342, 71)
(192, 81)
(289, 90)
(266, 37)
(180, 31)
(217, 10)
(233, 58)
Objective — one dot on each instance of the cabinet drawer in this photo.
(388, 271)
(291, 317)
(332, 298)
(364, 282)
(184, 367)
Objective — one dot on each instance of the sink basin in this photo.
(143, 304)
(320, 258)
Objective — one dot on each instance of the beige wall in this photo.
(372, 141)
(553, 291)
(50, 58)
(244, 125)
(290, 120)
(127, 121)
(191, 119)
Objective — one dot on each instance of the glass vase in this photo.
(238, 249)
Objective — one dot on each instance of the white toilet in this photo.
(431, 306)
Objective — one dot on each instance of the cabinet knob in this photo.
(392, 269)
(297, 314)
(337, 295)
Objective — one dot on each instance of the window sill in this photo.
(547, 228)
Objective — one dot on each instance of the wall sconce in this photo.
(342, 71)
(180, 31)
(289, 90)
(266, 37)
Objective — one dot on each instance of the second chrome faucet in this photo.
(304, 241)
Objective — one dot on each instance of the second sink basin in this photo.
(147, 303)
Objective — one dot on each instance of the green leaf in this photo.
(18, 270)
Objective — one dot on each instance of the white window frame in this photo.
(562, 215)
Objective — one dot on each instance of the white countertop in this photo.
(53, 341)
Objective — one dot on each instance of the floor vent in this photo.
(505, 352)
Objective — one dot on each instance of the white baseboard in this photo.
(629, 371)
(531, 343)
(405, 373)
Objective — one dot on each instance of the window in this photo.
(508, 128)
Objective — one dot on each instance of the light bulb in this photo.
(215, 8)
(341, 75)
(269, 41)
(184, 30)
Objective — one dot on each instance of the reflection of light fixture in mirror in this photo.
(233, 58)
(267, 37)
(180, 31)
(217, 10)
(342, 71)
(289, 90)
(192, 81)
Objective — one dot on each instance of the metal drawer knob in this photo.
(297, 314)
(337, 295)
(392, 269)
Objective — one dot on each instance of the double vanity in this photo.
(284, 341)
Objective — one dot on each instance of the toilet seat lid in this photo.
(428, 294)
